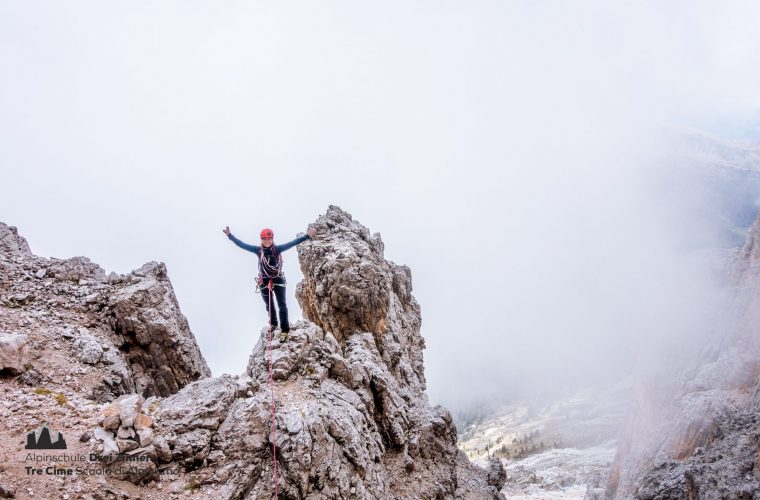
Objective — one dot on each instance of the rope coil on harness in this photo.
(267, 270)
(271, 384)
(272, 271)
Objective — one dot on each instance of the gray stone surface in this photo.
(352, 418)
(497, 476)
(78, 270)
(90, 349)
(12, 243)
(162, 350)
(128, 328)
(13, 353)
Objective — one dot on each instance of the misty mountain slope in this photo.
(557, 449)
(561, 473)
(719, 182)
(352, 416)
(694, 432)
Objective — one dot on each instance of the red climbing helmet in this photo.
(267, 233)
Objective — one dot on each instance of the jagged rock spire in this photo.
(348, 286)
(352, 417)
(12, 243)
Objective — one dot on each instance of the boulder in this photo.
(155, 335)
(13, 353)
(12, 243)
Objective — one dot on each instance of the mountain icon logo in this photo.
(45, 439)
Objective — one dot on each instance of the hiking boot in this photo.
(284, 336)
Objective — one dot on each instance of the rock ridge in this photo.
(352, 416)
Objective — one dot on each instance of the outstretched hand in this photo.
(226, 230)
(311, 232)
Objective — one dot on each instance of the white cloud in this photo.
(505, 150)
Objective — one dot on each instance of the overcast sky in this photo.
(508, 152)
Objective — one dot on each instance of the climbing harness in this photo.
(260, 284)
(267, 270)
(271, 384)
(270, 271)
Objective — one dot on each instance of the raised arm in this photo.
(244, 246)
(291, 244)
(287, 246)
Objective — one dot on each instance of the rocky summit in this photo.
(110, 363)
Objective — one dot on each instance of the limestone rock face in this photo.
(13, 353)
(79, 270)
(695, 433)
(12, 244)
(101, 336)
(351, 416)
(348, 285)
(160, 348)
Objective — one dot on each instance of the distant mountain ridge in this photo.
(719, 181)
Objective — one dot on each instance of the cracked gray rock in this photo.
(352, 417)
(127, 332)
(161, 348)
(13, 353)
(13, 244)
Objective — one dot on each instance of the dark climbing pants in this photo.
(279, 295)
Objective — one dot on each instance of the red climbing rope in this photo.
(271, 384)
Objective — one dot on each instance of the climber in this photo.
(270, 269)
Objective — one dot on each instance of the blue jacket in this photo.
(272, 259)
